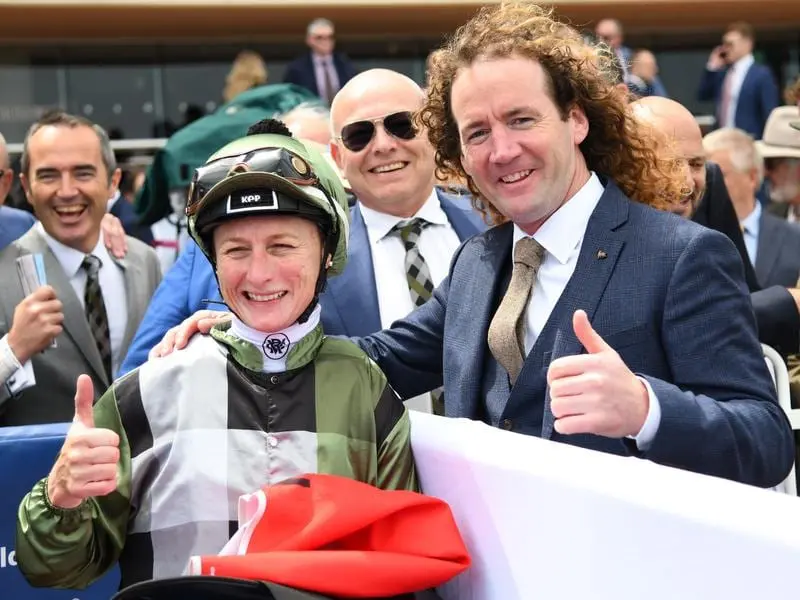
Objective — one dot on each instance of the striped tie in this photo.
(418, 276)
(95, 309)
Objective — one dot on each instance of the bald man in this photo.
(391, 170)
(707, 202)
(13, 222)
(644, 72)
(309, 122)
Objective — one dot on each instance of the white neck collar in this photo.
(275, 346)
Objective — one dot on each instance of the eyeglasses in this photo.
(278, 161)
(356, 136)
(322, 36)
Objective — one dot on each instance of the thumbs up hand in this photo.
(87, 464)
(595, 392)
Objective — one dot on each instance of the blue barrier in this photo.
(26, 455)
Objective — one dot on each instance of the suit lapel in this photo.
(460, 222)
(75, 325)
(602, 244)
(354, 292)
(770, 239)
(132, 273)
(476, 301)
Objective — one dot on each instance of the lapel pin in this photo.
(601, 254)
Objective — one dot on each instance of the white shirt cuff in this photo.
(649, 430)
(14, 376)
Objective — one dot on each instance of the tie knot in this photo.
(410, 230)
(529, 252)
(92, 264)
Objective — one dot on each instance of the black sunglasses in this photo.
(356, 136)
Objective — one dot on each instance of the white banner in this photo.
(545, 520)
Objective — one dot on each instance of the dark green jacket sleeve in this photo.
(73, 548)
(396, 469)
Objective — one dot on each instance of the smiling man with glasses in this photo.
(404, 230)
(322, 70)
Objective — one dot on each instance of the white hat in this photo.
(781, 135)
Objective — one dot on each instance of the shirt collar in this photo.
(563, 231)
(269, 352)
(71, 259)
(113, 200)
(379, 224)
(750, 222)
(743, 63)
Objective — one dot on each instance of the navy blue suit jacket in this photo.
(667, 294)
(13, 224)
(349, 303)
(123, 210)
(301, 71)
(758, 97)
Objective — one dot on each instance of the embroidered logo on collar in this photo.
(276, 346)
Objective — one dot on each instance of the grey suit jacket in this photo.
(51, 400)
(778, 255)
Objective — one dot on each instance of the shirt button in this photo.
(272, 442)
(273, 380)
(507, 424)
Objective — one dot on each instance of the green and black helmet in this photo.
(271, 174)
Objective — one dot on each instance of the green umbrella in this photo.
(189, 148)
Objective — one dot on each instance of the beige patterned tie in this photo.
(507, 329)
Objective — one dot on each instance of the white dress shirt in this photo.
(437, 244)
(562, 237)
(740, 69)
(751, 225)
(112, 284)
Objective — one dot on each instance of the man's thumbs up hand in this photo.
(595, 392)
(87, 464)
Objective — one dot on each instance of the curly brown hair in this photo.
(578, 74)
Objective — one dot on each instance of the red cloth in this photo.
(341, 537)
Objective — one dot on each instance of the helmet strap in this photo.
(322, 278)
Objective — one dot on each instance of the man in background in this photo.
(13, 221)
(777, 308)
(780, 149)
(321, 70)
(121, 206)
(744, 92)
(773, 244)
(610, 31)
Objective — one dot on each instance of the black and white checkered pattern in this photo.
(95, 309)
(420, 284)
